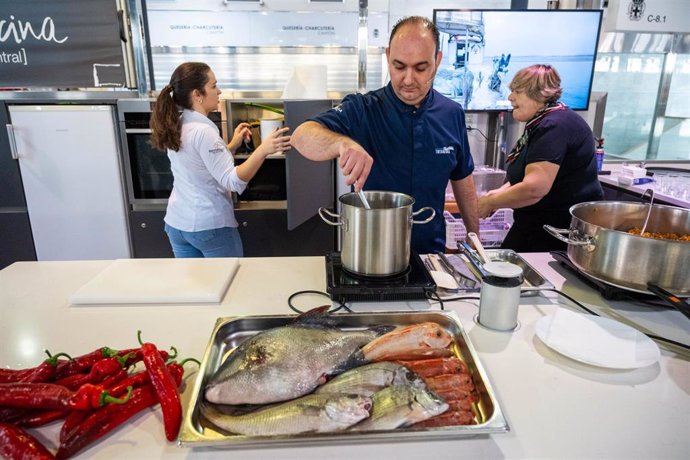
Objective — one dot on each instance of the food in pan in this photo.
(310, 365)
(288, 362)
(660, 235)
(370, 378)
(400, 406)
(317, 413)
(409, 340)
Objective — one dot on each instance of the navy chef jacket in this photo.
(415, 151)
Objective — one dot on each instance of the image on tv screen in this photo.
(483, 49)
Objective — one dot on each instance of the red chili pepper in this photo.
(36, 418)
(52, 396)
(17, 443)
(166, 389)
(100, 370)
(136, 355)
(83, 363)
(104, 420)
(44, 372)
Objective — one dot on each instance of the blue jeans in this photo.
(218, 242)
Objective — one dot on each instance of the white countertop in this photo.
(556, 407)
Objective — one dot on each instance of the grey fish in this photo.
(370, 378)
(308, 414)
(287, 362)
(401, 405)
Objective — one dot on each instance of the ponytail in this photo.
(165, 119)
(165, 122)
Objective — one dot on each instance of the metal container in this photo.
(376, 241)
(228, 333)
(599, 245)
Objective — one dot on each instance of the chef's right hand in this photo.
(355, 163)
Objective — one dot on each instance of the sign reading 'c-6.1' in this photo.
(60, 44)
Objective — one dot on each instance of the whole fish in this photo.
(370, 378)
(400, 406)
(287, 362)
(407, 339)
(308, 414)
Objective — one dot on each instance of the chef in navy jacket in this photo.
(405, 137)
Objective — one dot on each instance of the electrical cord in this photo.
(591, 312)
(470, 128)
(341, 305)
(434, 297)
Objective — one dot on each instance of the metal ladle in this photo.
(649, 211)
(365, 202)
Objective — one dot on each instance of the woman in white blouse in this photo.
(200, 219)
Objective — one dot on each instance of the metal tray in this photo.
(228, 333)
(533, 280)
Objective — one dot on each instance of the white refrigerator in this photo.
(71, 172)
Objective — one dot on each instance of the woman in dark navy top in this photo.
(405, 137)
(551, 168)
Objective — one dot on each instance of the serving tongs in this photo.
(473, 258)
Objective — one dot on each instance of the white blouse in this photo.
(204, 174)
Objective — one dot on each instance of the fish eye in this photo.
(438, 333)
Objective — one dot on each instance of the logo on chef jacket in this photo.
(635, 10)
(217, 147)
(450, 150)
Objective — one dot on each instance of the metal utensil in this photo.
(461, 278)
(473, 258)
(439, 276)
(474, 238)
(365, 202)
(649, 211)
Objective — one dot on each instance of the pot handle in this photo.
(428, 219)
(323, 211)
(558, 233)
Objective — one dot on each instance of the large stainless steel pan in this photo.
(599, 245)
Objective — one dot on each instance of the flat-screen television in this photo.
(483, 49)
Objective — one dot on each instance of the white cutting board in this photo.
(127, 281)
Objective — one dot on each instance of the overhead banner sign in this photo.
(240, 29)
(660, 16)
(60, 43)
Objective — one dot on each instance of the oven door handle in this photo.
(138, 131)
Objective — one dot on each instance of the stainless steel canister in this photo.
(500, 296)
(376, 241)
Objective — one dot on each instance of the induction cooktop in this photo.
(344, 286)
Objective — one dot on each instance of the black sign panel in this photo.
(60, 43)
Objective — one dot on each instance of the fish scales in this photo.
(370, 378)
(285, 363)
(400, 406)
(308, 414)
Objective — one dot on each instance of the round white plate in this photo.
(597, 341)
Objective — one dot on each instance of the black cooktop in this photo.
(607, 291)
(344, 286)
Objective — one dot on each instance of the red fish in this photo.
(407, 340)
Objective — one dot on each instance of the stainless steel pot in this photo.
(376, 241)
(599, 245)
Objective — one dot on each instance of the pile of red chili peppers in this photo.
(93, 394)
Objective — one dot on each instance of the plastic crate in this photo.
(492, 229)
